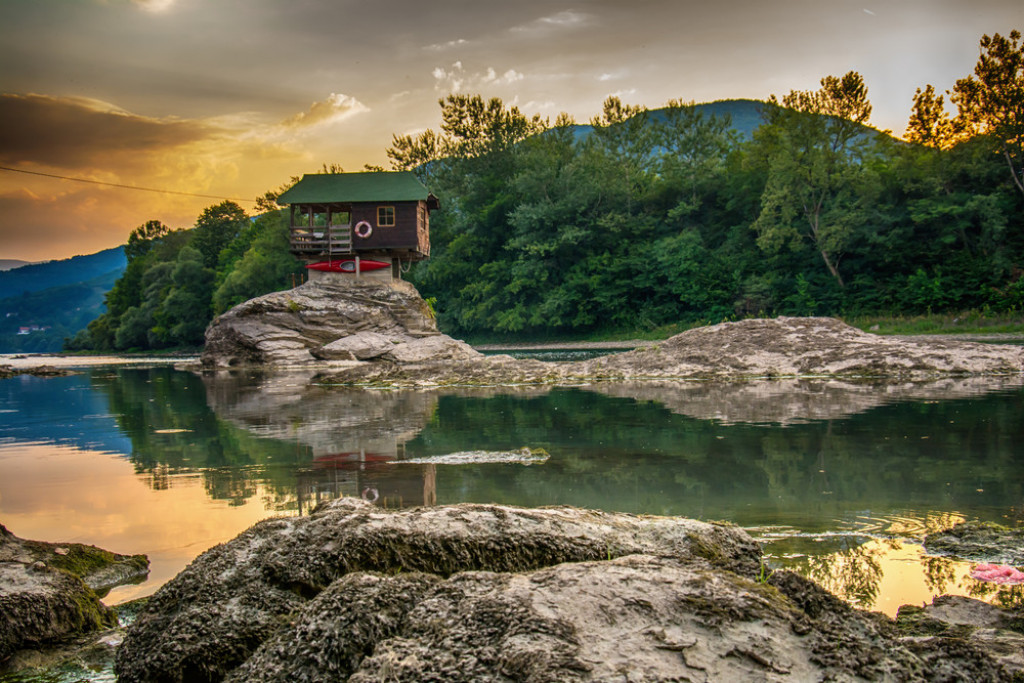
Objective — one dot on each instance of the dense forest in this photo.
(177, 280)
(644, 218)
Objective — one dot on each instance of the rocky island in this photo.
(359, 332)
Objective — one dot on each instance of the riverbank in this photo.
(630, 344)
(25, 361)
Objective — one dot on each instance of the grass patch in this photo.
(965, 322)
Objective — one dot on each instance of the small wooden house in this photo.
(342, 222)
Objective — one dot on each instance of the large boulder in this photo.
(212, 617)
(384, 333)
(995, 630)
(760, 348)
(323, 319)
(48, 591)
(498, 593)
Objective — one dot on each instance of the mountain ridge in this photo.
(35, 277)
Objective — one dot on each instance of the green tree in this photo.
(184, 309)
(991, 102)
(141, 239)
(215, 228)
(624, 142)
(817, 175)
(694, 153)
(930, 124)
(267, 265)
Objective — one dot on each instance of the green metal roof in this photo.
(381, 186)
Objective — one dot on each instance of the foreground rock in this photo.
(331, 320)
(979, 542)
(996, 630)
(48, 591)
(496, 593)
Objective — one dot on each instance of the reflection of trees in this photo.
(607, 452)
(1009, 596)
(172, 430)
(618, 453)
(854, 574)
(939, 573)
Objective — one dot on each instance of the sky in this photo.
(230, 98)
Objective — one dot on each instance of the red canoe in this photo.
(348, 266)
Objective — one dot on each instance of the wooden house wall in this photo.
(406, 233)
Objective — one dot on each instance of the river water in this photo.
(841, 480)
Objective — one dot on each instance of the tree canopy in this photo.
(177, 280)
(644, 218)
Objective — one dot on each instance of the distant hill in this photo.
(10, 264)
(745, 114)
(39, 276)
(39, 321)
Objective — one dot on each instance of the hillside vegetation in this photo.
(654, 218)
(177, 280)
(640, 220)
(39, 321)
(34, 277)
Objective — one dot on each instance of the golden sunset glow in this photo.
(64, 494)
(230, 100)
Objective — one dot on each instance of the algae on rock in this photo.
(48, 590)
(496, 593)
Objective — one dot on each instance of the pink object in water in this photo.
(997, 573)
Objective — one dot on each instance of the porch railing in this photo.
(334, 239)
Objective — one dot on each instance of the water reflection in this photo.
(794, 401)
(825, 472)
(885, 573)
(696, 449)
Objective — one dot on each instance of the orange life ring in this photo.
(363, 229)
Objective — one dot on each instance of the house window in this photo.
(385, 216)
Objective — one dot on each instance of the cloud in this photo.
(535, 105)
(154, 5)
(439, 47)
(337, 107)
(455, 78)
(561, 20)
(75, 132)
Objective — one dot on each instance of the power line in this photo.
(125, 187)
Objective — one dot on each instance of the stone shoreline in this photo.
(49, 592)
(496, 593)
(385, 335)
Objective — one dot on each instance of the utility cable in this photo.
(124, 187)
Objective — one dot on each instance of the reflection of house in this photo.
(358, 218)
(372, 477)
